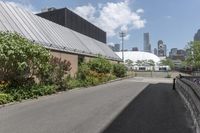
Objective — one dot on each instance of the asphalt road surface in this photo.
(130, 106)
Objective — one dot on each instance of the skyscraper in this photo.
(165, 49)
(161, 48)
(197, 36)
(117, 47)
(173, 52)
(155, 51)
(147, 45)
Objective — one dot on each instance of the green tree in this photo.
(167, 62)
(194, 54)
(129, 62)
(21, 59)
(151, 63)
(100, 65)
(139, 63)
(119, 70)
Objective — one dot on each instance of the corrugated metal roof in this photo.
(49, 34)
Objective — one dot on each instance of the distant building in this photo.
(173, 52)
(197, 36)
(140, 61)
(165, 49)
(147, 45)
(115, 48)
(111, 47)
(135, 49)
(161, 49)
(177, 54)
(181, 52)
(155, 51)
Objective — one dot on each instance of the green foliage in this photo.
(129, 62)
(119, 70)
(57, 70)
(167, 62)
(194, 54)
(100, 65)
(20, 58)
(139, 63)
(28, 92)
(73, 83)
(5, 98)
(83, 71)
(94, 72)
(150, 62)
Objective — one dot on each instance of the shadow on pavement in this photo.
(158, 109)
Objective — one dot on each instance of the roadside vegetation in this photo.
(27, 70)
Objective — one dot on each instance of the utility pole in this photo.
(122, 35)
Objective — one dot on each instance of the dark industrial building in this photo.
(71, 20)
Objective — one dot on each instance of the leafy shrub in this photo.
(119, 70)
(73, 83)
(100, 65)
(83, 71)
(58, 69)
(20, 58)
(5, 98)
(95, 72)
(25, 92)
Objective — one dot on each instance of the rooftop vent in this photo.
(48, 9)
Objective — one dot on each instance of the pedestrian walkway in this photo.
(158, 109)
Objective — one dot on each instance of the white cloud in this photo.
(27, 6)
(168, 17)
(111, 43)
(112, 17)
(140, 10)
(86, 12)
(127, 37)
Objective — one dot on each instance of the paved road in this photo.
(129, 106)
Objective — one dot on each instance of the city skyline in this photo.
(169, 21)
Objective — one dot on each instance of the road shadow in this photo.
(157, 109)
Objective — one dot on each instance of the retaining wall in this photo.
(190, 92)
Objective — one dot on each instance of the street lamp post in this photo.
(122, 35)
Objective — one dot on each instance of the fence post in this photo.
(174, 82)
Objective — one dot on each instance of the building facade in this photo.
(147, 45)
(197, 36)
(155, 51)
(69, 19)
(177, 54)
(162, 49)
(135, 49)
(115, 48)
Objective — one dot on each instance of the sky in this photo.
(173, 21)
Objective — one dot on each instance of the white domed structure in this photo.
(137, 55)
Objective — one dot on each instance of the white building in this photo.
(143, 57)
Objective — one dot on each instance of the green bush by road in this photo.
(23, 62)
